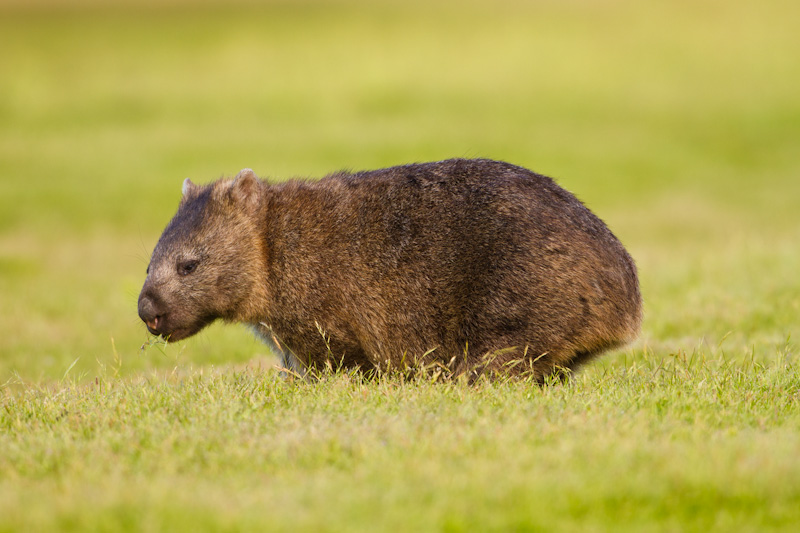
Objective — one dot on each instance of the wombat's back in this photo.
(477, 264)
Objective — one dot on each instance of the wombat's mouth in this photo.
(170, 334)
(152, 325)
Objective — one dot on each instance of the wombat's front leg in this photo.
(289, 361)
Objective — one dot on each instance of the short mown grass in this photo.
(691, 441)
(676, 122)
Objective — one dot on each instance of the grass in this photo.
(678, 445)
(677, 122)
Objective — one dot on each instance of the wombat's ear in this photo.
(188, 187)
(246, 189)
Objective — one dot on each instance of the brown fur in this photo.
(475, 265)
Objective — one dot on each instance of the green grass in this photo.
(677, 122)
(682, 444)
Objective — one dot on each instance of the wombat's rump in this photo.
(477, 265)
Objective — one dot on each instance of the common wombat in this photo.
(477, 265)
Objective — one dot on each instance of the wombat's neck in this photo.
(275, 230)
(294, 232)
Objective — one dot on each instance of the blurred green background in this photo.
(676, 121)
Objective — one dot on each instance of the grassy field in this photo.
(677, 122)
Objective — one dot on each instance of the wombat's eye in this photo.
(187, 267)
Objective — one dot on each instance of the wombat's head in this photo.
(207, 263)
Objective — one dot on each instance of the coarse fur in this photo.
(474, 265)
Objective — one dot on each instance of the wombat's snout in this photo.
(150, 314)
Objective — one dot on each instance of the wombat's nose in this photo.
(149, 315)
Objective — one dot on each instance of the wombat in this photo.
(476, 266)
